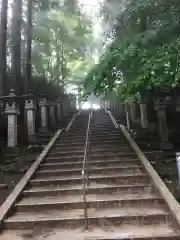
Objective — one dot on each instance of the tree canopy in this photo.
(58, 38)
(144, 49)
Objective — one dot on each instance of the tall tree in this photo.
(16, 44)
(61, 41)
(3, 44)
(29, 47)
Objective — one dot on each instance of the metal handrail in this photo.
(85, 171)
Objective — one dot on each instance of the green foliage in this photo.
(144, 53)
(61, 36)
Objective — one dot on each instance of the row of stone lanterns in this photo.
(160, 106)
(12, 112)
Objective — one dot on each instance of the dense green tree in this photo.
(16, 43)
(3, 44)
(144, 53)
(45, 39)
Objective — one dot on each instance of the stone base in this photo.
(32, 139)
(43, 130)
(166, 146)
(151, 127)
(11, 151)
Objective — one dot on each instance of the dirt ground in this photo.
(167, 169)
(12, 169)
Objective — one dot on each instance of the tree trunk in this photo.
(16, 45)
(29, 47)
(3, 45)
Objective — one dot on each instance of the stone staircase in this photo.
(122, 201)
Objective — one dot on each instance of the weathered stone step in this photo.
(66, 152)
(95, 156)
(109, 138)
(70, 141)
(106, 132)
(68, 148)
(106, 136)
(110, 145)
(51, 163)
(73, 144)
(73, 134)
(107, 142)
(124, 151)
(91, 170)
(116, 179)
(110, 150)
(121, 189)
(107, 155)
(73, 137)
(163, 231)
(75, 218)
(58, 158)
(102, 201)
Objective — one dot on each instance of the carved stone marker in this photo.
(30, 113)
(160, 107)
(12, 111)
(52, 113)
(44, 118)
(144, 117)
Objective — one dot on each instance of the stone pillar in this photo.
(144, 117)
(12, 111)
(73, 103)
(133, 112)
(177, 104)
(127, 115)
(30, 107)
(103, 103)
(59, 111)
(52, 113)
(66, 107)
(44, 117)
(160, 107)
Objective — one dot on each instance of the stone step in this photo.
(103, 179)
(111, 150)
(105, 133)
(59, 163)
(121, 189)
(75, 218)
(163, 231)
(106, 151)
(67, 148)
(74, 134)
(66, 152)
(91, 147)
(102, 201)
(66, 138)
(91, 170)
(93, 156)
(107, 138)
(70, 141)
(50, 163)
(107, 155)
(107, 142)
(59, 158)
(109, 145)
(61, 144)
